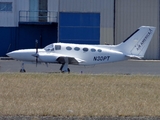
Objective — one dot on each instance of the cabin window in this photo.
(52, 49)
(49, 47)
(68, 48)
(76, 48)
(5, 6)
(85, 49)
(93, 50)
(99, 50)
(57, 47)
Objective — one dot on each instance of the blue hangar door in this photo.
(81, 28)
(28, 33)
(8, 38)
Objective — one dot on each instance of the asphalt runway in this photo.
(124, 67)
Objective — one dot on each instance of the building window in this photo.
(5, 6)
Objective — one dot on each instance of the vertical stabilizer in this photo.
(137, 43)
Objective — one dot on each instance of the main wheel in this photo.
(68, 70)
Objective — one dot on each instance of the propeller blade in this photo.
(36, 52)
(36, 46)
(36, 60)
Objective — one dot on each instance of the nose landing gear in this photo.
(22, 70)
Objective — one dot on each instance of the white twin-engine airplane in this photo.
(134, 46)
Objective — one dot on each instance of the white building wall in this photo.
(11, 18)
(53, 7)
(131, 14)
(104, 7)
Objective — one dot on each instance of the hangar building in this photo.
(75, 21)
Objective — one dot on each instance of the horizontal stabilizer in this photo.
(134, 57)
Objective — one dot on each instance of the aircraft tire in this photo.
(68, 70)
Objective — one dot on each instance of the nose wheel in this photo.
(22, 70)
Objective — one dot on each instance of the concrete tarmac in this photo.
(125, 67)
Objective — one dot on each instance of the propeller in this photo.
(36, 55)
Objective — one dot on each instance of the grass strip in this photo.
(79, 95)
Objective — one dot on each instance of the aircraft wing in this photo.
(71, 60)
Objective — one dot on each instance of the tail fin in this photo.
(137, 43)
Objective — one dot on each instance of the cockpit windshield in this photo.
(49, 48)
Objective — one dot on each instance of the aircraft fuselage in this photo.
(90, 53)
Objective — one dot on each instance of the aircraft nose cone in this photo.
(26, 55)
(14, 54)
(9, 54)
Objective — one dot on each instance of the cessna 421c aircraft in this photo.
(134, 46)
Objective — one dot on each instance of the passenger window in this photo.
(99, 50)
(85, 49)
(57, 47)
(93, 50)
(76, 48)
(68, 48)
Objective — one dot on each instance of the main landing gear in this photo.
(64, 68)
